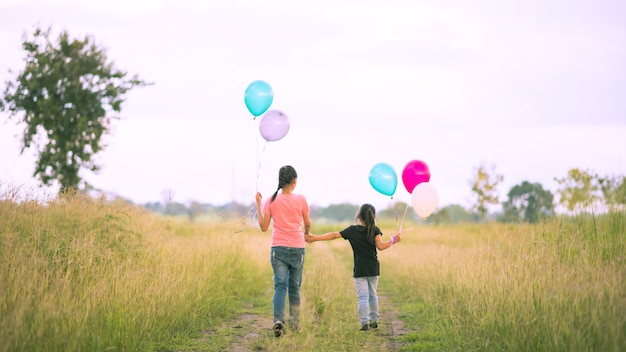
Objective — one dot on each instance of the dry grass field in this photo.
(92, 275)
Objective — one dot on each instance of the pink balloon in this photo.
(274, 125)
(414, 173)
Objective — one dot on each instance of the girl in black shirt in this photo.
(365, 238)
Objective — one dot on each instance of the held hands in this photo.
(309, 238)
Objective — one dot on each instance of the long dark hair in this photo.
(367, 214)
(286, 174)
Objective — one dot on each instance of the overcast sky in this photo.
(533, 87)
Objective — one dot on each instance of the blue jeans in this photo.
(368, 298)
(287, 263)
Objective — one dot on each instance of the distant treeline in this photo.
(344, 212)
(579, 192)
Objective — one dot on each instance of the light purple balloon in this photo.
(274, 125)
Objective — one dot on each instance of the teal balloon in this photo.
(384, 179)
(259, 96)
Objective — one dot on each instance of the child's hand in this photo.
(309, 238)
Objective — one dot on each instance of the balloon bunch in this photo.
(415, 176)
(274, 124)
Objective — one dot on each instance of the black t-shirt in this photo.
(365, 255)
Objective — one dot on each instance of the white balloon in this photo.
(425, 199)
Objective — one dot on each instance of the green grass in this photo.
(91, 275)
(83, 275)
(557, 286)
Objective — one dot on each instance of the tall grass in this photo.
(88, 275)
(558, 286)
(84, 275)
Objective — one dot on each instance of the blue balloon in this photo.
(384, 179)
(258, 97)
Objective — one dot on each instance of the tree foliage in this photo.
(578, 190)
(66, 96)
(528, 202)
(340, 212)
(398, 211)
(613, 190)
(451, 214)
(484, 185)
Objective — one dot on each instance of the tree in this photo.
(340, 212)
(528, 202)
(397, 211)
(578, 190)
(484, 186)
(67, 96)
(613, 190)
(451, 214)
(194, 209)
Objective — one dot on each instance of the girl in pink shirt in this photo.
(291, 222)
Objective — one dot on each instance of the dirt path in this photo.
(390, 323)
(251, 330)
(254, 327)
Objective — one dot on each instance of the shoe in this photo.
(278, 329)
(364, 327)
(374, 326)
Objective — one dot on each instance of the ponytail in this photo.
(275, 193)
(286, 175)
(367, 214)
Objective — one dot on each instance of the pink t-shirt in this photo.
(287, 212)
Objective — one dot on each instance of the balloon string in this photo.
(401, 224)
(259, 162)
(403, 216)
(395, 211)
(243, 220)
(396, 214)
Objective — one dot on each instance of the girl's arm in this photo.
(380, 245)
(324, 237)
(264, 219)
(307, 223)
